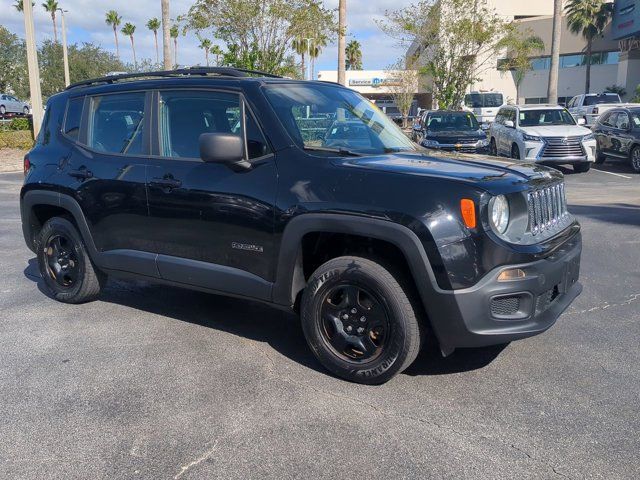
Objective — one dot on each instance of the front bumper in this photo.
(534, 152)
(494, 312)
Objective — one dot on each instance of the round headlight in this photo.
(499, 213)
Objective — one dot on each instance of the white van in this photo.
(484, 105)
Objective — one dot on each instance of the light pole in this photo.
(65, 55)
(32, 64)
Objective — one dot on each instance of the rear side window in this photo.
(73, 117)
(116, 123)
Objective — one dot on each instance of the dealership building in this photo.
(615, 59)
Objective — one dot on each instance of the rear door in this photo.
(212, 226)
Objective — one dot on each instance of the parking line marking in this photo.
(611, 173)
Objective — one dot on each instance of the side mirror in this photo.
(582, 121)
(224, 148)
(509, 124)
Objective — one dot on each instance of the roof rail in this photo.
(201, 71)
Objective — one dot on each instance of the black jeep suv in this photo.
(221, 181)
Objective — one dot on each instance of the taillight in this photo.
(27, 164)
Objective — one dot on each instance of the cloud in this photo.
(85, 23)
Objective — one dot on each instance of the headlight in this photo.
(531, 138)
(588, 137)
(499, 213)
(430, 143)
(483, 142)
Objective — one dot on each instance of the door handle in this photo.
(166, 182)
(81, 173)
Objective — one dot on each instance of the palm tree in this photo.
(342, 27)
(217, 51)
(353, 56)
(552, 87)
(128, 30)
(205, 44)
(51, 6)
(317, 44)
(173, 33)
(301, 47)
(588, 17)
(154, 25)
(520, 50)
(112, 18)
(19, 7)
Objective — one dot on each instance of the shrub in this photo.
(20, 124)
(20, 139)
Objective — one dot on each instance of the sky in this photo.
(85, 23)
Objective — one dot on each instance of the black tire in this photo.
(634, 158)
(68, 272)
(25, 110)
(515, 152)
(493, 149)
(583, 167)
(3, 110)
(600, 157)
(394, 346)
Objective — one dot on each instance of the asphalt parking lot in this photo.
(158, 382)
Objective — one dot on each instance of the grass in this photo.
(21, 139)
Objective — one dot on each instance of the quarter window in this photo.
(116, 123)
(73, 118)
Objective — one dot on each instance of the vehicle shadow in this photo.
(618, 213)
(281, 330)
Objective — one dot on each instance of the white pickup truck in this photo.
(592, 105)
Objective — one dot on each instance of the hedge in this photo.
(21, 139)
(19, 123)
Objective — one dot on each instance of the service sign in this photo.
(626, 19)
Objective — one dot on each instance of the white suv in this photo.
(542, 133)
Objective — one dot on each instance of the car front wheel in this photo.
(515, 152)
(3, 110)
(493, 149)
(359, 320)
(635, 159)
(64, 263)
(25, 110)
(582, 167)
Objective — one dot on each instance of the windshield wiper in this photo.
(339, 151)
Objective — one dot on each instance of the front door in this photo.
(212, 225)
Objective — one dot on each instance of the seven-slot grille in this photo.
(547, 208)
(562, 147)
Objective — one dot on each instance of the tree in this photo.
(301, 47)
(128, 30)
(259, 34)
(174, 32)
(636, 98)
(205, 44)
(113, 19)
(166, 36)
(154, 25)
(588, 18)
(216, 51)
(552, 87)
(457, 40)
(342, 31)
(353, 56)
(317, 44)
(18, 5)
(521, 47)
(402, 84)
(619, 89)
(13, 65)
(51, 6)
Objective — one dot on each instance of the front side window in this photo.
(73, 117)
(635, 120)
(622, 122)
(318, 117)
(533, 118)
(185, 115)
(116, 123)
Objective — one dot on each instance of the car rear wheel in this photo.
(582, 167)
(515, 152)
(359, 320)
(64, 263)
(635, 159)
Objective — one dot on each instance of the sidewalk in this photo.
(11, 159)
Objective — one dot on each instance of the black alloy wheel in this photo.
(62, 264)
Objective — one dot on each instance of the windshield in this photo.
(604, 98)
(438, 122)
(324, 116)
(537, 118)
(481, 100)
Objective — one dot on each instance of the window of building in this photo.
(535, 100)
(116, 123)
(542, 63)
(73, 117)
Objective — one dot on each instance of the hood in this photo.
(556, 131)
(496, 175)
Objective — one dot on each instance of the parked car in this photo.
(617, 135)
(592, 105)
(542, 133)
(10, 104)
(377, 243)
(453, 130)
(484, 105)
